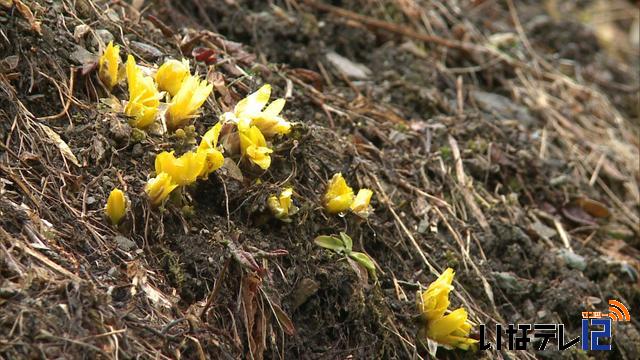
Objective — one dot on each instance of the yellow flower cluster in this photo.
(187, 93)
(339, 198)
(451, 330)
(249, 117)
(174, 171)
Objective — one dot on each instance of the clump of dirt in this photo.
(499, 140)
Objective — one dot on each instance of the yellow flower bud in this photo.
(282, 207)
(435, 300)
(116, 206)
(209, 147)
(451, 330)
(183, 170)
(159, 188)
(190, 97)
(360, 205)
(144, 98)
(254, 146)
(108, 65)
(171, 74)
(339, 195)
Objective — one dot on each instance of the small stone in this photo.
(82, 56)
(305, 289)
(120, 131)
(137, 150)
(124, 243)
(146, 51)
(507, 281)
(102, 35)
(347, 67)
(113, 271)
(573, 260)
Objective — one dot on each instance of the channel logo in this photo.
(596, 332)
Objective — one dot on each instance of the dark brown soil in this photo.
(508, 151)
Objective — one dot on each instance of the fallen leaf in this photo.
(284, 320)
(64, 148)
(593, 208)
(25, 11)
(578, 215)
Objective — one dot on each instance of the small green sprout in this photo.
(343, 245)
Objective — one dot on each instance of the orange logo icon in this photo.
(617, 311)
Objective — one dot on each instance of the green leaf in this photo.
(330, 242)
(348, 243)
(364, 260)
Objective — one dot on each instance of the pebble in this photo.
(101, 35)
(146, 51)
(124, 243)
(573, 260)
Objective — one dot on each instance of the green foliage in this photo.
(343, 245)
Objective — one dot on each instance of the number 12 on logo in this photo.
(591, 338)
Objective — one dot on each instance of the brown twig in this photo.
(65, 109)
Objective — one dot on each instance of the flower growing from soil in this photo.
(116, 206)
(249, 112)
(108, 65)
(183, 170)
(188, 99)
(360, 206)
(159, 188)
(451, 330)
(282, 206)
(254, 146)
(144, 98)
(209, 147)
(171, 74)
(339, 196)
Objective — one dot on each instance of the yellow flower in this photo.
(209, 147)
(254, 146)
(108, 65)
(183, 106)
(270, 122)
(249, 111)
(435, 300)
(360, 206)
(116, 206)
(171, 74)
(144, 98)
(452, 330)
(183, 170)
(282, 207)
(339, 195)
(159, 188)
(250, 107)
